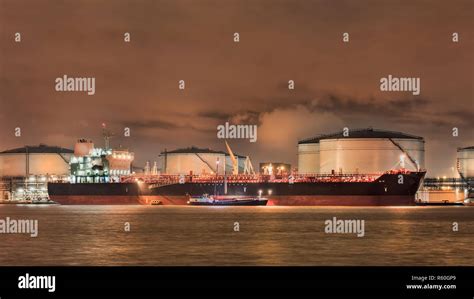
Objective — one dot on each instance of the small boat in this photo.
(207, 200)
(440, 203)
(469, 201)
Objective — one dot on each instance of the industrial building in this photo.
(24, 171)
(201, 161)
(360, 151)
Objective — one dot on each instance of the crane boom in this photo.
(235, 166)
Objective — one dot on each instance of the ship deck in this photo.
(167, 179)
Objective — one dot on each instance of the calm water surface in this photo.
(172, 235)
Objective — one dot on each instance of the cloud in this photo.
(346, 107)
(152, 124)
(213, 114)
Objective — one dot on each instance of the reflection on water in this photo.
(167, 235)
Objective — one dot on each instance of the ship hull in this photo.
(387, 190)
(95, 194)
(95, 200)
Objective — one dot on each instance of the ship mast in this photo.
(225, 178)
(107, 135)
(217, 176)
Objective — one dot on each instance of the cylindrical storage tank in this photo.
(465, 161)
(369, 151)
(193, 160)
(35, 160)
(372, 155)
(308, 157)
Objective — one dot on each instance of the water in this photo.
(180, 235)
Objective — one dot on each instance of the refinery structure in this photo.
(366, 157)
(25, 171)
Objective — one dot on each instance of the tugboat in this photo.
(206, 200)
(214, 200)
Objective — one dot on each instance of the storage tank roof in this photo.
(361, 133)
(39, 149)
(196, 150)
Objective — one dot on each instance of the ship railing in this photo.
(256, 177)
(161, 180)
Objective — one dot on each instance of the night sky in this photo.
(336, 83)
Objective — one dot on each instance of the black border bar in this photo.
(238, 282)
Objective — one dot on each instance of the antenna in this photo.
(107, 135)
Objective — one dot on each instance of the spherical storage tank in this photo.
(465, 161)
(361, 151)
(35, 160)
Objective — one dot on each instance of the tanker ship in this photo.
(104, 176)
(391, 188)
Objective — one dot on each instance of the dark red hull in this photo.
(96, 199)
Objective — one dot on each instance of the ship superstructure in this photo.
(98, 165)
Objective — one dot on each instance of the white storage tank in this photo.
(199, 161)
(465, 161)
(367, 151)
(35, 160)
(308, 157)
